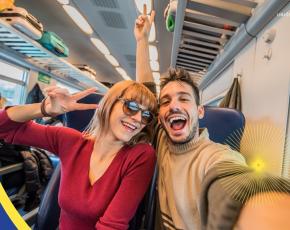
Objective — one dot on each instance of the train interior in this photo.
(236, 50)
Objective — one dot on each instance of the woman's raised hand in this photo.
(60, 101)
(143, 25)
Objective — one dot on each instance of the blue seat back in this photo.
(224, 125)
(80, 119)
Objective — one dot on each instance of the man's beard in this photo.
(190, 137)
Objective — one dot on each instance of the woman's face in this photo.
(122, 126)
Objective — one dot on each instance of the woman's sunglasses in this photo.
(131, 108)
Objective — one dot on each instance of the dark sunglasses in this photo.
(131, 108)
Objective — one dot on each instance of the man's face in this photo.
(178, 112)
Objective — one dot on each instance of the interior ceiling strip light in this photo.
(123, 73)
(100, 46)
(153, 53)
(156, 77)
(78, 19)
(152, 34)
(63, 2)
(154, 65)
(112, 60)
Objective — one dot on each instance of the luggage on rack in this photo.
(54, 43)
(87, 70)
(23, 21)
(4, 4)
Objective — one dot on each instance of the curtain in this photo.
(233, 98)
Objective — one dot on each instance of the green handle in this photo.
(170, 23)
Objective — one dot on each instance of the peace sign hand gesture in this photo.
(60, 101)
(143, 25)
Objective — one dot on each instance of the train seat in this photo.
(224, 125)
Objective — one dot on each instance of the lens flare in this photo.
(258, 165)
(263, 146)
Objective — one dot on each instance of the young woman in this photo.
(105, 170)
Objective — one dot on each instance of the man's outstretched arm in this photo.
(236, 197)
(141, 32)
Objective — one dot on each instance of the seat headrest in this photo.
(224, 125)
(80, 119)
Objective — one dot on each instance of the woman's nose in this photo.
(137, 116)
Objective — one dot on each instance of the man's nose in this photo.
(174, 105)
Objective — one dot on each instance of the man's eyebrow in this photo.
(165, 96)
(179, 94)
(184, 93)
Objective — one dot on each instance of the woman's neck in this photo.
(107, 146)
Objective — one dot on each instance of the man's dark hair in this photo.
(180, 75)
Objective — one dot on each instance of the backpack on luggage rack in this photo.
(54, 43)
(4, 4)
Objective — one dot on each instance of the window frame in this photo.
(22, 83)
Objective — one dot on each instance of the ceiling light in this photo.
(112, 60)
(101, 46)
(153, 53)
(123, 73)
(78, 19)
(64, 2)
(140, 3)
(152, 35)
(127, 77)
(154, 65)
(156, 77)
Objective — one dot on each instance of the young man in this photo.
(191, 181)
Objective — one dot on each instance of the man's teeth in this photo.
(129, 125)
(172, 119)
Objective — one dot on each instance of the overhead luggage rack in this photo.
(17, 47)
(203, 28)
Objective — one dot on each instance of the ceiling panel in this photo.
(54, 18)
(112, 21)
(203, 28)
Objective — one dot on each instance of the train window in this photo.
(12, 83)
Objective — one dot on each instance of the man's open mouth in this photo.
(177, 122)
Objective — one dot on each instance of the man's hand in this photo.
(267, 211)
(143, 26)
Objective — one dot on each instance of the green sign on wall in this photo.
(43, 78)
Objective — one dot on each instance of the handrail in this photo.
(30, 217)
(10, 168)
(262, 16)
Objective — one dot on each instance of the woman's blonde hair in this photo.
(99, 124)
